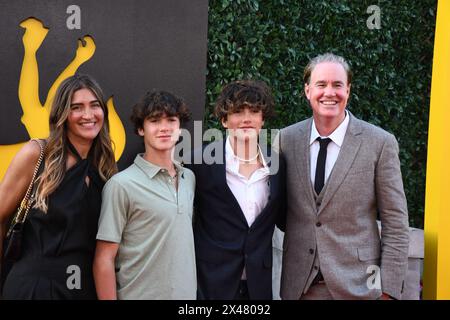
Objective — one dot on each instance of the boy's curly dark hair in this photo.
(253, 94)
(156, 104)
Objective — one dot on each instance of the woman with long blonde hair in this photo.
(60, 230)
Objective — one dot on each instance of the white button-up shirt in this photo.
(252, 194)
(337, 138)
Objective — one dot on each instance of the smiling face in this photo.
(86, 116)
(328, 91)
(244, 124)
(160, 133)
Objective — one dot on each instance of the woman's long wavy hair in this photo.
(55, 157)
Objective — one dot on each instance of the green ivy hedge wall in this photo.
(273, 40)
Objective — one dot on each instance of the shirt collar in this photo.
(151, 169)
(337, 136)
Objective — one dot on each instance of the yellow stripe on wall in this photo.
(436, 278)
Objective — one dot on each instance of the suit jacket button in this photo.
(311, 251)
(318, 224)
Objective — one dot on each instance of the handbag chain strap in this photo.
(26, 203)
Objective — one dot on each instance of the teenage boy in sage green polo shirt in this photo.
(145, 245)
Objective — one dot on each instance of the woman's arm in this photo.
(15, 183)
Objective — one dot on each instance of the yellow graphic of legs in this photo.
(84, 53)
(35, 115)
(35, 118)
(116, 130)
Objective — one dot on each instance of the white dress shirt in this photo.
(252, 194)
(337, 138)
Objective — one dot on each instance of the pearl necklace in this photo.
(247, 160)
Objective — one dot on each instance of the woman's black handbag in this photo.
(12, 244)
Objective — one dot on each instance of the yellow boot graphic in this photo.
(35, 115)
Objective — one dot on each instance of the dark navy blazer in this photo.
(224, 243)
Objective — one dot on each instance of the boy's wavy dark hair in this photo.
(156, 104)
(237, 95)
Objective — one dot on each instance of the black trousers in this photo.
(242, 293)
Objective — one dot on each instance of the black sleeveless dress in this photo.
(58, 246)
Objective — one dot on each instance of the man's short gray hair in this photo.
(326, 57)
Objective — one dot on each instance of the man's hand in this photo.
(385, 296)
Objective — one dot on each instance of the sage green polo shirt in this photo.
(152, 222)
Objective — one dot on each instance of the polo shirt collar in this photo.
(151, 169)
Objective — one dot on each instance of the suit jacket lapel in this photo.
(347, 155)
(222, 178)
(303, 155)
(273, 194)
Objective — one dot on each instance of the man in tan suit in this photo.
(341, 173)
